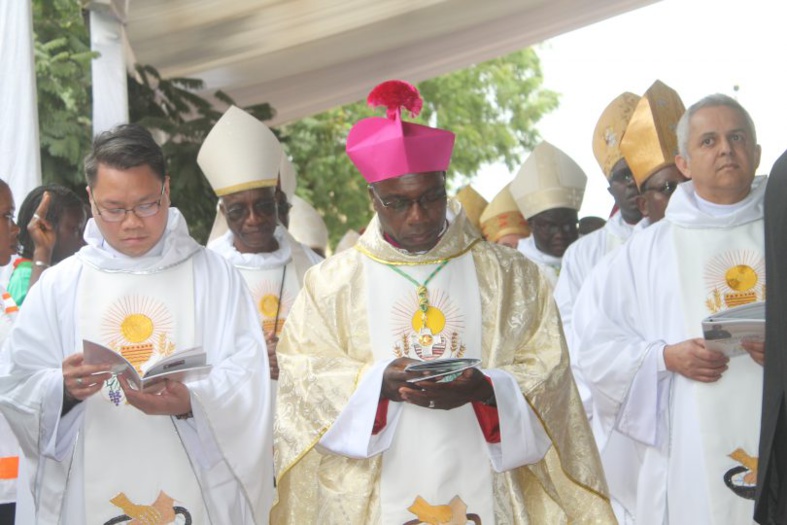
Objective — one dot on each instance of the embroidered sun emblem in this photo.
(135, 320)
(269, 304)
(734, 278)
(138, 328)
(439, 336)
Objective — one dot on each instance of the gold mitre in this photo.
(610, 129)
(240, 153)
(473, 204)
(502, 217)
(288, 179)
(650, 142)
(306, 225)
(548, 179)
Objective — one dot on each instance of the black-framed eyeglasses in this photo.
(146, 209)
(553, 228)
(401, 205)
(239, 212)
(666, 189)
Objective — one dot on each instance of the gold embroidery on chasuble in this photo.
(273, 292)
(145, 318)
(433, 335)
(734, 278)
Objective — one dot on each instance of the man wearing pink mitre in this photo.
(359, 438)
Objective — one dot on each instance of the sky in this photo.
(697, 47)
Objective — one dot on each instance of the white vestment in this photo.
(9, 448)
(548, 264)
(657, 288)
(578, 261)
(580, 258)
(620, 456)
(274, 279)
(229, 438)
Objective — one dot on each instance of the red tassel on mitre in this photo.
(395, 95)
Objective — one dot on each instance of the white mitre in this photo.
(548, 179)
(307, 226)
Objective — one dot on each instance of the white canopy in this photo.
(306, 56)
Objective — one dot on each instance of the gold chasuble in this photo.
(326, 348)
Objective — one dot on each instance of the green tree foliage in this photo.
(182, 120)
(492, 107)
(170, 108)
(62, 65)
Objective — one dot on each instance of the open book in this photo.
(445, 369)
(188, 365)
(725, 330)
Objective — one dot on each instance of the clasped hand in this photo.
(470, 386)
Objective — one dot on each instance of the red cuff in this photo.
(488, 419)
(486, 415)
(381, 418)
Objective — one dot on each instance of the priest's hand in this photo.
(271, 341)
(171, 400)
(756, 350)
(395, 378)
(691, 359)
(80, 381)
(470, 386)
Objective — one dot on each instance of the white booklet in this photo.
(725, 330)
(188, 365)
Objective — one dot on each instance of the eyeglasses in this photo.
(553, 228)
(146, 209)
(666, 189)
(240, 212)
(400, 205)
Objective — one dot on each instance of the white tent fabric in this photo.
(306, 56)
(110, 91)
(20, 161)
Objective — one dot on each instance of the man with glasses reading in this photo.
(241, 159)
(362, 439)
(97, 449)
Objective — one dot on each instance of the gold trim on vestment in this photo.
(253, 185)
(559, 455)
(308, 449)
(373, 257)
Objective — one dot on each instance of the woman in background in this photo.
(55, 217)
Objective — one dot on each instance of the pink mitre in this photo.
(385, 148)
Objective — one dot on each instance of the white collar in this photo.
(687, 209)
(174, 247)
(225, 246)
